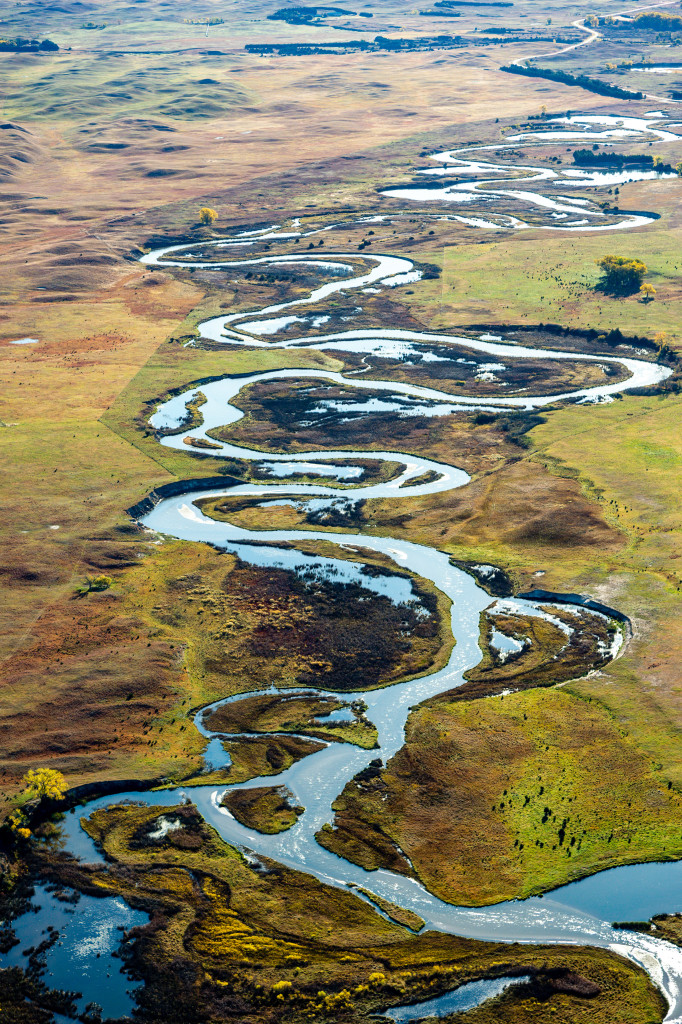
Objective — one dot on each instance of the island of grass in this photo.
(267, 809)
(251, 757)
(300, 712)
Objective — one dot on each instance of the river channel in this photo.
(581, 912)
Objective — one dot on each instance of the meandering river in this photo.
(581, 912)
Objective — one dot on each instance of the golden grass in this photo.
(508, 796)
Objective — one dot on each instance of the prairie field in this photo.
(315, 135)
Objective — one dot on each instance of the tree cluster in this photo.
(660, 22)
(621, 275)
(583, 81)
(20, 45)
(590, 158)
(309, 15)
(379, 43)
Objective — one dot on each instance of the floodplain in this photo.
(326, 141)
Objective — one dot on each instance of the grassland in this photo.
(197, 625)
(104, 154)
(556, 282)
(564, 793)
(633, 482)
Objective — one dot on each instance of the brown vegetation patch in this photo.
(464, 371)
(338, 636)
(108, 677)
(668, 926)
(519, 508)
(183, 828)
(277, 410)
(268, 809)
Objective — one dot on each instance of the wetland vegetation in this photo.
(267, 809)
(546, 761)
(232, 937)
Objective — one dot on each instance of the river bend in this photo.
(580, 912)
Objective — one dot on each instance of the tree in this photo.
(18, 822)
(207, 216)
(678, 168)
(658, 161)
(664, 351)
(622, 275)
(96, 583)
(40, 782)
(648, 291)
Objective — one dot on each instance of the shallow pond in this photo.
(90, 932)
(466, 997)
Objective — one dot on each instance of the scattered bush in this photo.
(95, 583)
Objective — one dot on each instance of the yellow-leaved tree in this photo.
(207, 216)
(622, 275)
(18, 822)
(40, 782)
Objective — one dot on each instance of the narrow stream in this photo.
(581, 912)
(489, 191)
